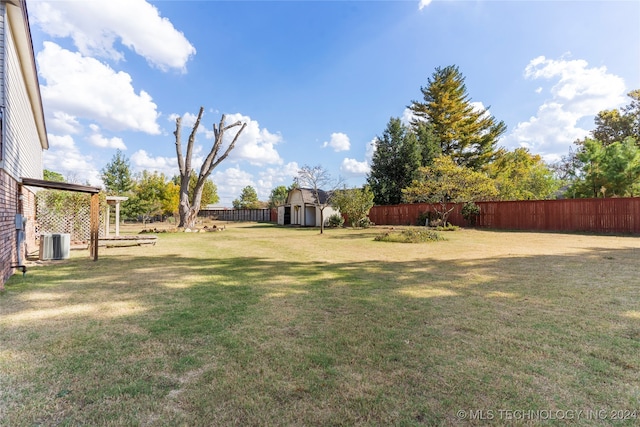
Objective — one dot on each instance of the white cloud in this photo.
(64, 157)
(579, 92)
(141, 160)
(255, 145)
(98, 140)
(424, 3)
(188, 120)
(94, 27)
(354, 167)
(273, 177)
(61, 122)
(84, 87)
(583, 90)
(408, 116)
(371, 148)
(230, 183)
(339, 142)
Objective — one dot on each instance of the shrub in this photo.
(426, 216)
(410, 235)
(470, 212)
(364, 223)
(447, 227)
(335, 220)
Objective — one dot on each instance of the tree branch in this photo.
(179, 145)
(192, 138)
(233, 143)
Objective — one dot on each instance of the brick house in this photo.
(23, 136)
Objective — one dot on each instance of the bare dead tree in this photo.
(188, 210)
(315, 178)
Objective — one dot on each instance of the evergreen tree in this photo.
(395, 163)
(427, 142)
(248, 199)
(116, 175)
(465, 133)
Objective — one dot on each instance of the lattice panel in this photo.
(64, 212)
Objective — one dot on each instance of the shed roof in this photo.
(309, 195)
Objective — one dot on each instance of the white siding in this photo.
(326, 213)
(2, 16)
(297, 207)
(22, 148)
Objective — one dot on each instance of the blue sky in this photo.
(315, 81)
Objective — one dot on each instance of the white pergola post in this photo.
(117, 217)
(114, 200)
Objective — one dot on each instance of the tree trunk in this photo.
(188, 211)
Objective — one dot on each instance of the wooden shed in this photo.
(303, 208)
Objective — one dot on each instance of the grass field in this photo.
(264, 325)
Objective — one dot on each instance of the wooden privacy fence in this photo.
(609, 215)
(259, 215)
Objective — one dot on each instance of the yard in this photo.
(263, 325)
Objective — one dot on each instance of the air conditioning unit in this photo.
(54, 246)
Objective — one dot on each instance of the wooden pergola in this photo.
(95, 206)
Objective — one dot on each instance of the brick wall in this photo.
(10, 205)
(8, 210)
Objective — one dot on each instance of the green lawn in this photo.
(264, 325)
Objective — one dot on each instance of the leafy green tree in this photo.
(465, 133)
(52, 176)
(394, 164)
(520, 175)
(171, 200)
(278, 196)
(611, 170)
(612, 126)
(209, 191)
(248, 199)
(618, 125)
(446, 182)
(355, 203)
(150, 195)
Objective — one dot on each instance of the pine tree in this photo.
(116, 175)
(395, 163)
(248, 199)
(465, 133)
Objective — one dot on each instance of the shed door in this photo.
(287, 215)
